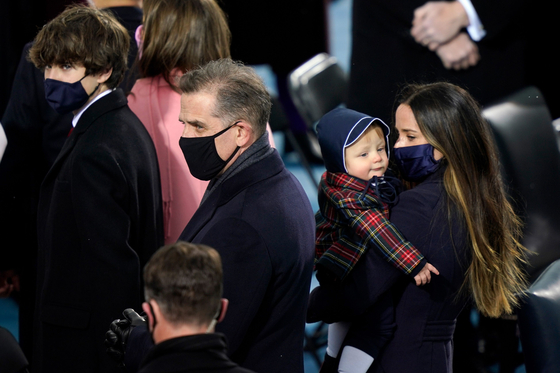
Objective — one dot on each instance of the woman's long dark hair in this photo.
(450, 120)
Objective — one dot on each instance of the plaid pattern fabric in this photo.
(350, 221)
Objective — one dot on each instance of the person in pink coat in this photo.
(176, 36)
(157, 106)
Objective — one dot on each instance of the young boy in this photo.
(99, 213)
(354, 198)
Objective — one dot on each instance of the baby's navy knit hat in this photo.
(340, 128)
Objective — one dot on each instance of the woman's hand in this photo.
(425, 275)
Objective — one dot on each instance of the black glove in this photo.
(117, 336)
(325, 276)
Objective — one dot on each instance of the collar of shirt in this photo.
(77, 116)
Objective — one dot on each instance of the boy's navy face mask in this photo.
(66, 97)
(416, 162)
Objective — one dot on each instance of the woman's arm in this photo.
(372, 276)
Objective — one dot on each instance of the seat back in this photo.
(539, 322)
(12, 359)
(317, 87)
(528, 146)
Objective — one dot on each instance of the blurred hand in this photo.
(437, 22)
(117, 335)
(425, 275)
(460, 53)
(9, 282)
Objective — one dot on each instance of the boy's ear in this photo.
(104, 76)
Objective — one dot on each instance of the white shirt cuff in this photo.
(3, 141)
(475, 29)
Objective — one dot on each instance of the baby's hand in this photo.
(424, 276)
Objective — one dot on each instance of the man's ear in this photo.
(223, 309)
(104, 76)
(244, 134)
(148, 311)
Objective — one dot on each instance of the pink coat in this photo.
(158, 106)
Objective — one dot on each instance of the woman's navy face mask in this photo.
(416, 162)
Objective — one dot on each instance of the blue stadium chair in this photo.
(530, 157)
(539, 322)
(12, 359)
(317, 87)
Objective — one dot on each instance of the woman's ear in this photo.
(437, 154)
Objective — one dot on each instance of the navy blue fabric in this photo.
(66, 97)
(338, 129)
(424, 315)
(416, 162)
(261, 222)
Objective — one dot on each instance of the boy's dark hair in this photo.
(240, 93)
(185, 280)
(83, 36)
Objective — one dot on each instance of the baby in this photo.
(354, 198)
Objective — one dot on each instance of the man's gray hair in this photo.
(240, 93)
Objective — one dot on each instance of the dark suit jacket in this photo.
(425, 315)
(261, 222)
(99, 221)
(385, 56)
(191, 354)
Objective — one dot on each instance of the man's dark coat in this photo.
(261, 222)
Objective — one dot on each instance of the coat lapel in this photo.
(113, 100)
(253, 174)
(201, 216)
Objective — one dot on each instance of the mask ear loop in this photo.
(153, 316)
(214, 321)
(230, 157)
(98, 84)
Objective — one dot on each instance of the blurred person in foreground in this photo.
(183, 290)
